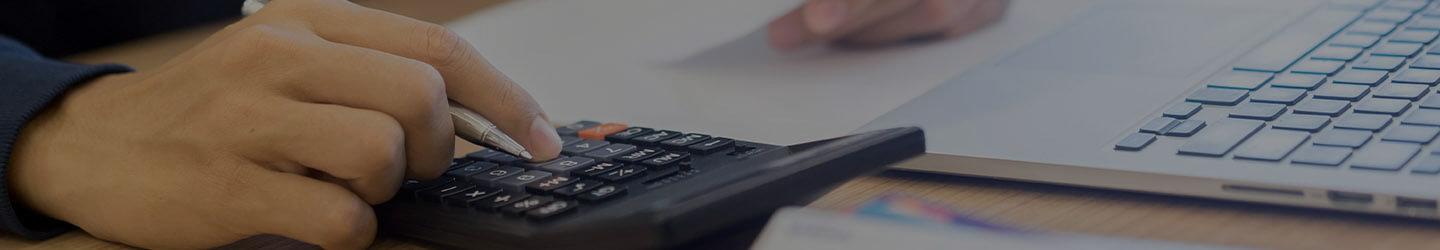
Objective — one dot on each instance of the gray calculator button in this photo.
(1429, 165)
(1322, 107)
(610, 151)
(1431, 103)
(1287, 96)
(1371, 122)
(1299, 81)
(1349, 138)
(1347, 92)
(1385, 155)
(1360, 76)
(1159, 125)
(1258, 111)
(1412, 134)
(1428, 117)
(1397, 49)
(1356, 40)
(1393, 107)
(1307, 123)
(1410, 92)
(1241, 80)
(1271, 145)
(1182, 110)
(1421, 76)
(1321, 155)
(1186, 128)
(1220, 137)
(1336, 53)
(1426, 62)
(518, 182)
(1386, 63)
(564, 165)
(1314, 66)
(490, 176)
(583, 146)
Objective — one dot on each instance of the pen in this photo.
(469, 125)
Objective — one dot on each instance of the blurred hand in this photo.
(290, 122)
(880, 22)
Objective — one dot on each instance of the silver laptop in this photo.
(1323, 104)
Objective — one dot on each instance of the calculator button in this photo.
(549, 183)
(685, 140)
(495, 174)
(495, 202)
(577, 187)
(599, 132)
(1386, 63)
(518, 182)
(639, 155)
(465, 198)
(712, 145)
(666, 159)
(1355, 40)
(439, 193)
(1360, 76)
(628, 133)
(493, 156)
(623, 173)
(601, 193)
(412, 188)
(583, 146)
(459, 162)
(567, 140)
(564, 165)
(471, 169)
(550, 210)
(574, 128)
(610, 151)
(596, 170)
(525, 205)
(655, 137)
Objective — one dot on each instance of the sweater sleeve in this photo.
(29, 83)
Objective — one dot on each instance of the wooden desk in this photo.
(1029, 206)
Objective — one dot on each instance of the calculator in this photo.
(625, 187)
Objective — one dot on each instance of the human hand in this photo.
(289, 122)
(880, 22)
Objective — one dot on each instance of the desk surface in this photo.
(1030, 206)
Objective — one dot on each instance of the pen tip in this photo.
(526, 155)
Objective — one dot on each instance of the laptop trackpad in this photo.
(1144, 37)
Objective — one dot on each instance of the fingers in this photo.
(821, 21)
(928, 17)
(303, 209)
(469, 79)
(363, 150)
(882, 23)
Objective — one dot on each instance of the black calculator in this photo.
(623, 187)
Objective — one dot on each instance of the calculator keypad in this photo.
(600, 162)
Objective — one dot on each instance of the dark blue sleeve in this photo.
(29, 83)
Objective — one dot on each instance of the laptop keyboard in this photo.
(1350, 86)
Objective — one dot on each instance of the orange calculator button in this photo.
(598, 133)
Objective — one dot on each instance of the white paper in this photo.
(703, 65)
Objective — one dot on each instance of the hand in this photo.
(880, 22)
(290, 122)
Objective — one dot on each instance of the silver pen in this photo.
(468, 124)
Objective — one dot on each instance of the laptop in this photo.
(1320, 104)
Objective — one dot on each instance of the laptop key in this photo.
(1415, 36)
(1360, 76)
(1388, 16)
(1284, 48)
(1411, 133)
(1271, 145)
(1386, 63)
(1220, 137)
(1429, 165)
(1321, 155)
(548, 184)
(1298, 81)
(1287, 96)
(1384, 155)
(1313, 66)
(1183, 110)
(1238, 79)
(1258, 111)
(1397, 49)
(623, 173)
(1307, 123)
(1371, 28)
(1135, 142)
(1159, 125)
(1322, 107)
(1427, 117)
(1349, 138)
(1371, 122)
(1409, 92)
(1406, 5)
(1338, 53)
(1218, 96)
(1358, 40)
(1186, 128)
(1433, 102)
(1422, 76)
(1347, 92)
(1426, 62)
(1392, 107)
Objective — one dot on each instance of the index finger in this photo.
(469, 78)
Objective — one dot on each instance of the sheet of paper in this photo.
(703, 65)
